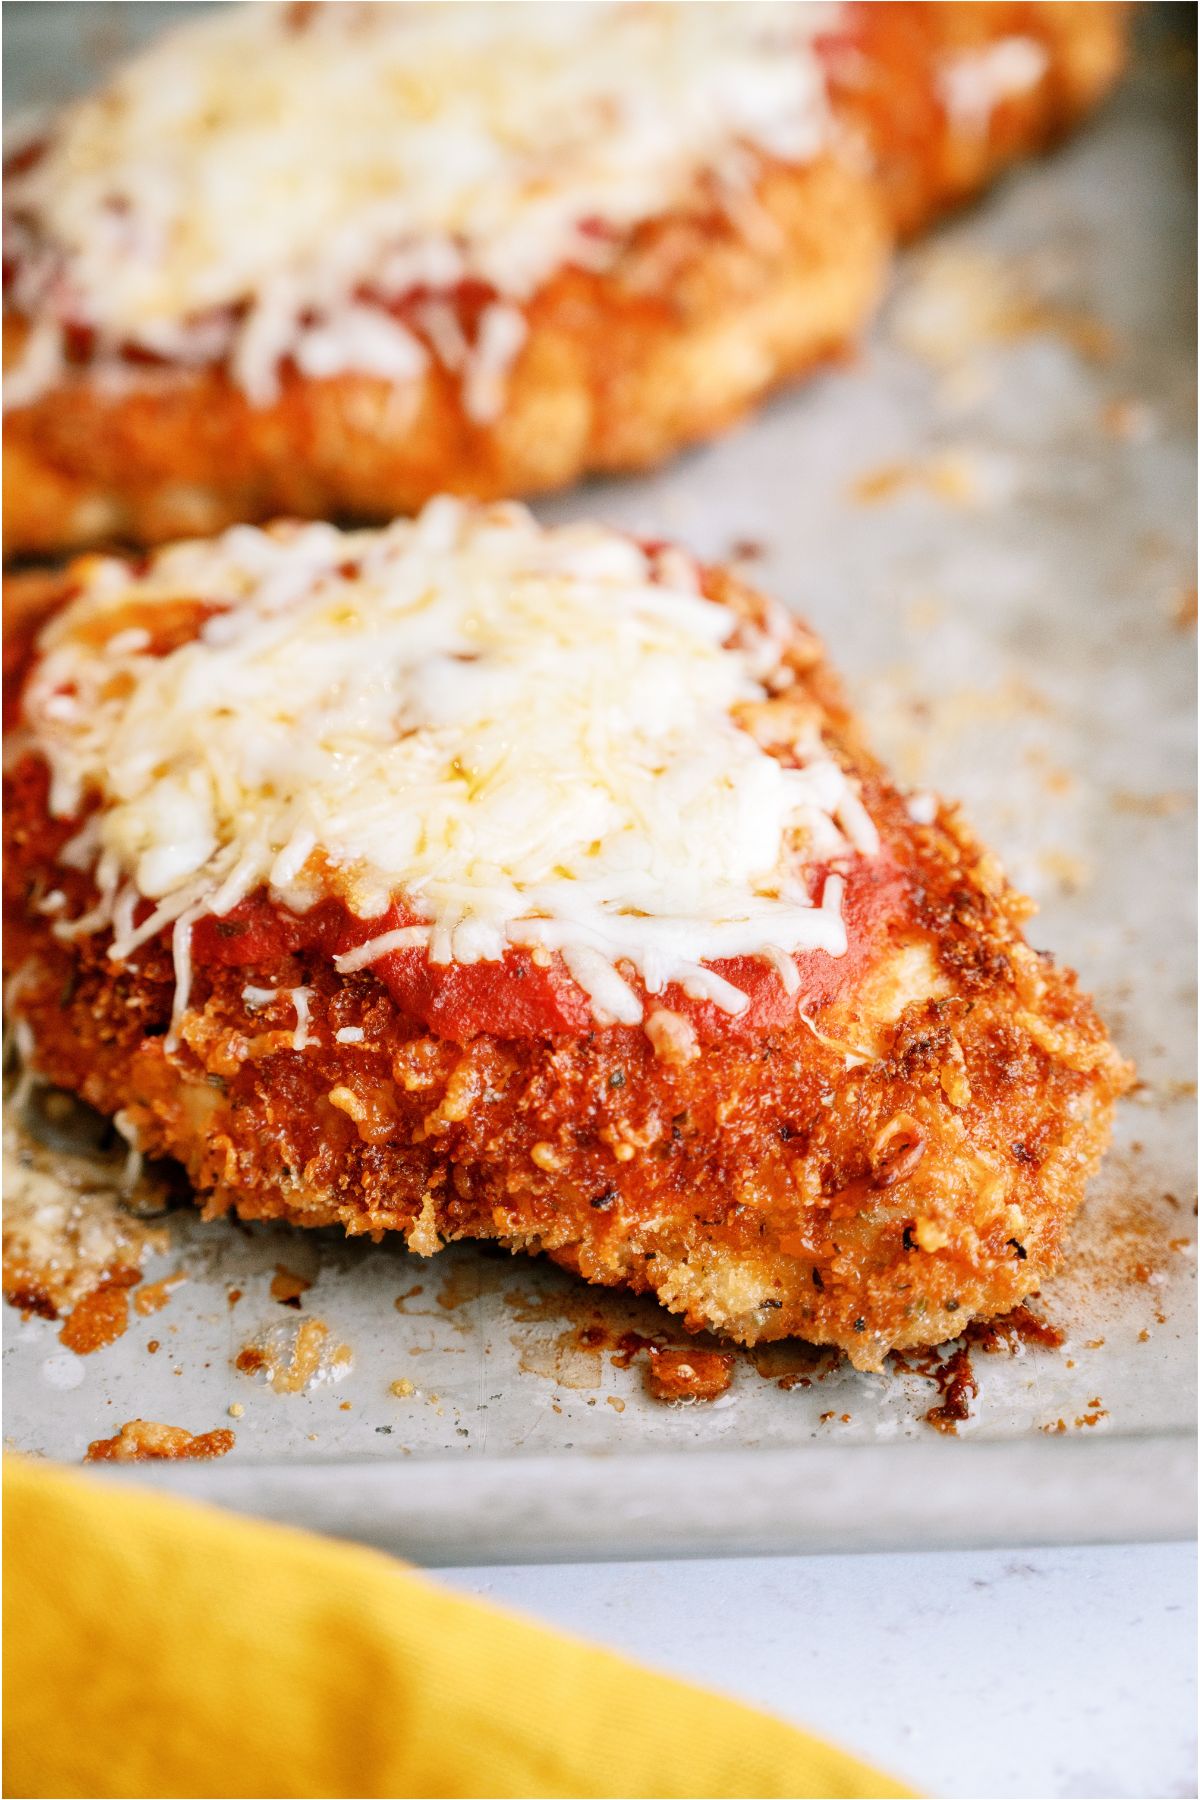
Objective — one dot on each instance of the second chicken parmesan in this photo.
(331, 260)
(472, 879)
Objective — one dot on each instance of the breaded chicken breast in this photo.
(472, 879)
(332, 260)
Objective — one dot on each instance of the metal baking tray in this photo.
(989, 517)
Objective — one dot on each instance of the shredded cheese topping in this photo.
(272, 181)
(255, 997)
(524, 736)
(973, 83)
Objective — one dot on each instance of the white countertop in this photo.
(1067, 1672)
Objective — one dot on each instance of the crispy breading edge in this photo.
(769, 1189)
(693, 326)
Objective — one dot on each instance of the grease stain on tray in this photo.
(295, 1357)
(791, 1363)
(529, 1309)
(152, 1296)
(958, 1387)
(690, 1374)
(959, 309)
(1123, 1250)
(287, 1286)
(571, 1358)
(462, 1283)
(68, 1228)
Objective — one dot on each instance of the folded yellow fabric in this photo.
(157, 1647)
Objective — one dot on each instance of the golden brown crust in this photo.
(928, 164)
(696, 322)
(143, 1440)
(892, 1162)
(617, 371)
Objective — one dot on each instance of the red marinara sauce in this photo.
(517, 997)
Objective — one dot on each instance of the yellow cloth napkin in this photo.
(157, 1647)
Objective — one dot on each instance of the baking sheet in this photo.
(990, 518)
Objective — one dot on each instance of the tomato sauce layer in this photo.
(517, 997)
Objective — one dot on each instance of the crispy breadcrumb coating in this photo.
(696, 320)
(902, 1154)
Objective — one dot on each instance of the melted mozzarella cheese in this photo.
(973, 83)
(524, 736)
(255, 185)
(255, 997)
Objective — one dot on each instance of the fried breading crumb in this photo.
(688, 1374)
(141, 1440)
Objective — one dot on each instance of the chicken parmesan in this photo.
(471, 879)
(330, 260)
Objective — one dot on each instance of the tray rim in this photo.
(935, 1494)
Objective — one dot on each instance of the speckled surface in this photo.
(1069, 1673)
